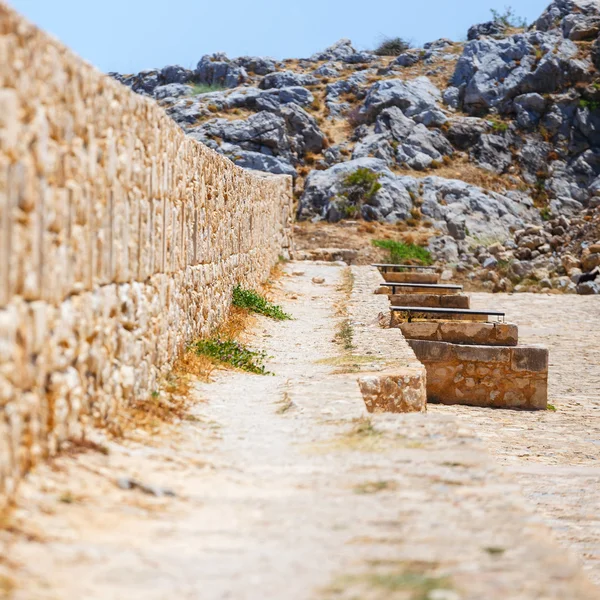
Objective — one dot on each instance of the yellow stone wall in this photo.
(120, 241)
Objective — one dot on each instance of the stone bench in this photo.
(461, 332)
(418, 288)
(486, 376)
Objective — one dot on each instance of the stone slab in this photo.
(411, 277)
(432, 300)
(462, 332)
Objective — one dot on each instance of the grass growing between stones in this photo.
(256, 303)
(205, 88)
(401, 252)
(234, 353)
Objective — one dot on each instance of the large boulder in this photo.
(411, 97)
(172, 90)
(175, 74)
(553, 17)
(398, 138)
(257, 161)
(218, 70)
(465, 132)
(323, 189)
(259, 65)
(491, 73)
(303, 130)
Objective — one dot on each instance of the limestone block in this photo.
(399, 391)
(463, 332)
(431, 300)
(411, 277)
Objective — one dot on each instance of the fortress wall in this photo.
(120, 241)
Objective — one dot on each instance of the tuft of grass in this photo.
(551, 407)
(499, 126)
(508, 18)
(254, 302)
(590, 104)
(205, 88)
(392, 46)
(231, 352)
(345, 334)
(373, 487)
(400, 252)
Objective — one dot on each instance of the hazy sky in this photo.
(131, 35)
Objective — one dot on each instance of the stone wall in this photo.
(120, 241)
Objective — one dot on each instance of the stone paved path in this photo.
(554, 456)
(285, 490)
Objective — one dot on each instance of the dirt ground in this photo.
(280, 486)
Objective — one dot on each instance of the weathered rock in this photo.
(259, 65)
(217, 69)
(172, 90)
(490, 28)
(341, 50)
(282, 79)
(411, 97)
(175, 74)
(465, 132)
(492, 152)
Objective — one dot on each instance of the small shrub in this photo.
(359, 188)
(205, 88)
(546, 213)
(589, 104)
(499, 126)
(232, 353)
(355, 117)
(392, 47)
(508, 18)
(400, 252)
(254, 302)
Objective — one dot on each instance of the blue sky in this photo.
(131, 35)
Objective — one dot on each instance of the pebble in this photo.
(318, 280)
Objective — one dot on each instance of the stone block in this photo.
(400, 391)
(411, 277)
(499, 377)
(431, 300)
(462, 332)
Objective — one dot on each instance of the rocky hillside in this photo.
(482, 144)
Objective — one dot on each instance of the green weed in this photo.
(400, 252)
(254, 302)
(232, 353)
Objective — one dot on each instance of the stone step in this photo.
(473, 334)
(486, 376)
(411, 277)
(432, 300)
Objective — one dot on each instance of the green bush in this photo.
(392, 47)
(401, 252)
(254, 302)
(232, 353)
(508, 18)
(359, 188)
(591, 104)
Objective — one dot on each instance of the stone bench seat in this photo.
(462, 332)
(458, 301)
(410, 313)
(411, 277)
(419, 288)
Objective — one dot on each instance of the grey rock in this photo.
(262, 162)
(529, 109)
(411, 97)
(327, 70)
(490, 28)
(282, 79)
(391, 203)
(359, 58)
(444, 248)
(588, 288)
(408, 58)
(492, 152)
(451, 97)
(339, 51)
(218, 70)
(259, 65)
(490, 262)
(465, 132)
(175, 74)
(556, 12)
(457, 226)
(579, 27)
(302, 129)
(172, 90)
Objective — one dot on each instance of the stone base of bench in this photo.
(431, 300)
(411, 277)
(475, 334)
(400, 391)
(487, 376)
